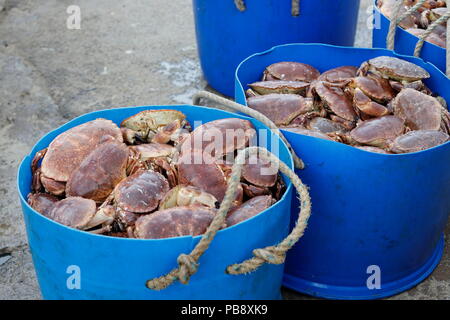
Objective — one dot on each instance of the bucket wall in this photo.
(117, 268)
(405, 42)
(225, 36)
(371, 212)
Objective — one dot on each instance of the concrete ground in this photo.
(126, 53)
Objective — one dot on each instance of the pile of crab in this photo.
(383, 106)
(151, 178)
(418, 21)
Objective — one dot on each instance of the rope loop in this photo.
(188, 263)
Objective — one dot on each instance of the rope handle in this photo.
(295, 6)
(228, 104)
(188, 263)
(390, 40)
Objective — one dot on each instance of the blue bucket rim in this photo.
(21, 167)
(404, 31)
(395, 54)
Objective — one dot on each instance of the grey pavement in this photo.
(126, 53)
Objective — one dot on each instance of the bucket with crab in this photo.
(231, 30)
(197, 251)
(379, 215)
(418, 27)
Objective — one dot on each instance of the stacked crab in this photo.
(151, 178)
(419, 21)
(383, 106)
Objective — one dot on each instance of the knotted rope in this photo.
(188, 263)
(390, 40)
(228, 104)
(295, 6)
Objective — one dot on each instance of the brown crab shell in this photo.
(375, 88)
(418, 140)
(340, 75)
(280, 86)
(281, 108)
(174, 222)
(75, 212)
(367, 106)
(248, 209)
(199, 169)
(99, 172)
(141, 192)
(336, 100)
(418, 110)
(42, 202)
(378, 132)
(325, 125)
(220, 137)
(259, 172)
(66, 152)
(397, 69)
(291, 71)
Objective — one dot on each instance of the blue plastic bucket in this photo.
(405, 42)
(117, 268)
(369, 210)
(225, 36)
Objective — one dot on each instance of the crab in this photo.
(79, 213)
(290, 71)
(101, 171)
(279, 86)
(282, 109)
(160, 126)
(335, 100)
(140, 193)
(248, 209)
(201, 170)
(220, 137)
(367, 106)
(325, 125)
(42, 202)
(377, 89)
(67, 151)
(378, 132)
(394, 69)
(190, 220)
(183, 195)
(258, 176)
(418, 140)
(340, 76)
(159, 157)
(418, 110)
